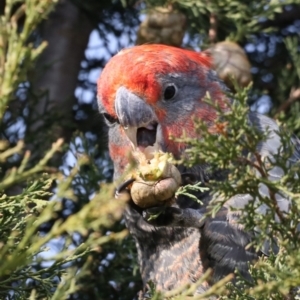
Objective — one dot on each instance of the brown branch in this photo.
(294, 95)
(259, 166)
(213, 30)
(264, 174)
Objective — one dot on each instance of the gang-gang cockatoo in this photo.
(148, 94)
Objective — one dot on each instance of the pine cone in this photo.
(162, 26)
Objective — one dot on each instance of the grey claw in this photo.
(123, 186)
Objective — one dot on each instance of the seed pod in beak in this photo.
(157, 180)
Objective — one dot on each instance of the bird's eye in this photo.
(110, 119)
(169, 92)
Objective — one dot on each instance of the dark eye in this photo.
(110, 119)
(169, 92)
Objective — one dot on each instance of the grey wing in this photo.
(268, 148)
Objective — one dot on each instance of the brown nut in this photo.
(230, 60)
(152, 193)
(156, 179)
(162, 26)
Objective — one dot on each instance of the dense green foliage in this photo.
(61, 232)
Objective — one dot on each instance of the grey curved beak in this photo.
(132, 112)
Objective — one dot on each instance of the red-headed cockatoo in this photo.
(149, 94)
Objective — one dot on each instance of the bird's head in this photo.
(152, 93)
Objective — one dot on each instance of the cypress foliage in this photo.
(61, 230)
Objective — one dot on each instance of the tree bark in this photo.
(67, 32)
(283, 19)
